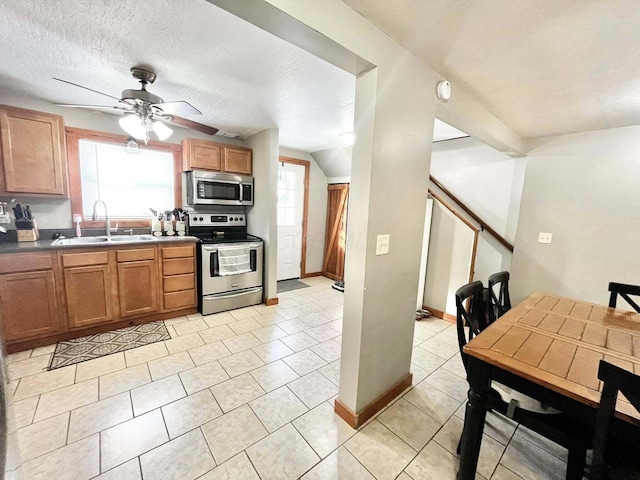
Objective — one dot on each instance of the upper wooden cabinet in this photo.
(33, 153)
(238, 160)
(201, 155)
(218, 157)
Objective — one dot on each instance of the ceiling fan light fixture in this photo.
(162, 131)
(133, 126)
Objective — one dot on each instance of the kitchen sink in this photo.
(80, 241)
(104, 240)
(133, 238)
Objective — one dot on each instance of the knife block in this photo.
(27, 230)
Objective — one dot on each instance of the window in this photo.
(129, 183)
(286, 198)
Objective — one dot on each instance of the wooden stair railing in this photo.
(468, 211)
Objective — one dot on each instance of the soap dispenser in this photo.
(77, 219)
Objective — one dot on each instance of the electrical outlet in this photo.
(382, 245)
(544, 237)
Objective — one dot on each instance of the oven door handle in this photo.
(231, 295)
(213, 263)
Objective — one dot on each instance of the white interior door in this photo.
(290, 213)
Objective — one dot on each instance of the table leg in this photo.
(478, 375)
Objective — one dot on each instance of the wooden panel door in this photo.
(33, 153)
(89, 295)
(28, 305)
(238, 160)
(138, 287)
(336, 236)
(201, 155)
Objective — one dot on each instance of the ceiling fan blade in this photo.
(181, 108)
(87, 88)
(91, 107)
(200, 127)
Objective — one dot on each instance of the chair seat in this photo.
(524, 402)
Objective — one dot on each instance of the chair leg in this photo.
(576, 461)
(459, 445)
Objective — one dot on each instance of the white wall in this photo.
(583, 188)
(317, 220)
(450, 248)
(490, 184)
(262, 217)
(486, 180)
(56, 213)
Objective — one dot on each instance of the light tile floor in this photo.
(248, 394)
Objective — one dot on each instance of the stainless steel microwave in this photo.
(212, 188)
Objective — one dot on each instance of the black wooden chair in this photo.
(499, 301)
(624, 291)
(471, 301)
(611, 459)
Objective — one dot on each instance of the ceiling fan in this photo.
(145, 112)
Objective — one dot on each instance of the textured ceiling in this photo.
(243, 79)
(543, 67)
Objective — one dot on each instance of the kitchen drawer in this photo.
(178, 266)
(25, 262)
(182, 299)
(179, 282)
(84, 259)
(135, 255)
(178, 252)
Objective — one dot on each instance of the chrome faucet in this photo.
(94, 216)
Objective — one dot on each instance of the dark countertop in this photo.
(39, 245)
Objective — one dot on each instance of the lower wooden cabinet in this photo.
(29, 305)
(48, 295)
(178, 277)
(138, 288)
(89, 295)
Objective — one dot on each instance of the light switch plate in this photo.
(544, 237)
(382, 245)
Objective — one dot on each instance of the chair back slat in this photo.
(498, 304)
(470, 314)
(624, 290)
(615, 380)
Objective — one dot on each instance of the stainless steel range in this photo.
(230, 261)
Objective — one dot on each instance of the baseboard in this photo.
(271, 301)
(331, 276)
(440, 314)
(312, 274)
(357, 419)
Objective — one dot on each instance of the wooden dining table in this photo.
(549, 347)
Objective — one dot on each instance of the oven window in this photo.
(218, 191)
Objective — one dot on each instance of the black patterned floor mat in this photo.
(95, 346)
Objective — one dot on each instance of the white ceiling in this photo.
(543, 67)
(242, 78)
